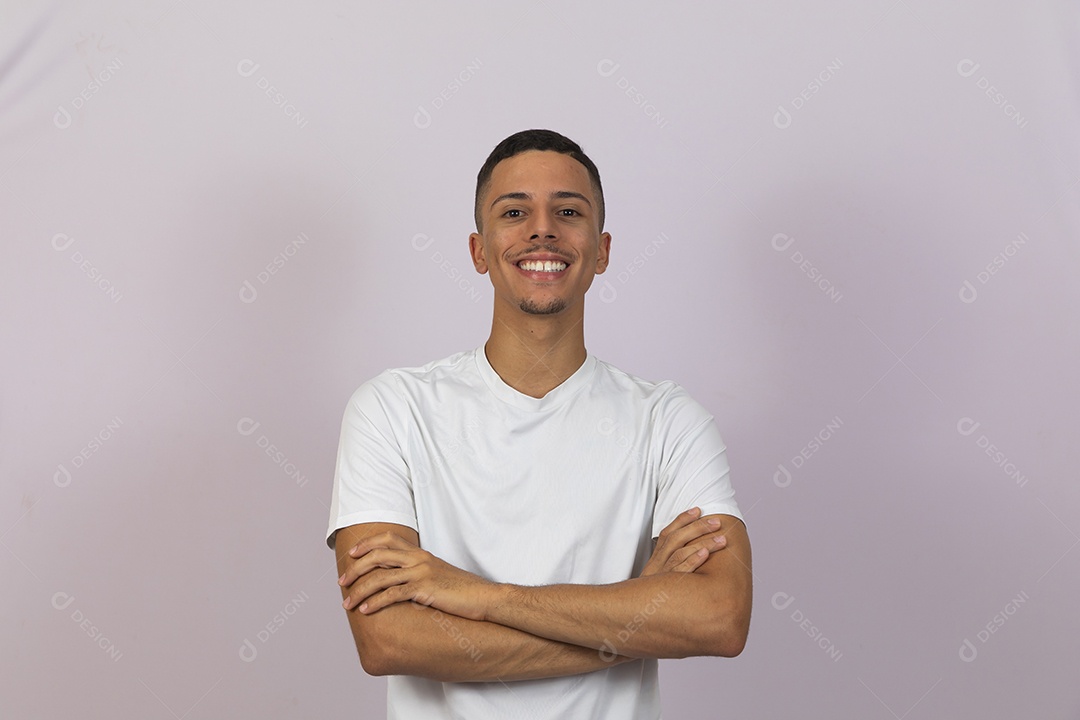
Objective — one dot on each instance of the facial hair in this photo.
(556, 305)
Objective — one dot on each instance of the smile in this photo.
(542, 266)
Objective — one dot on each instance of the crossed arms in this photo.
(412, 613)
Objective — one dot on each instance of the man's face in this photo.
(540, 208)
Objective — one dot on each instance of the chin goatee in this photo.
(534, 309)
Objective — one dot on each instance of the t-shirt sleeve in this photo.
(371, 478)
(693, 468)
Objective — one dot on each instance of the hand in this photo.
(390, 569)
(685, 544)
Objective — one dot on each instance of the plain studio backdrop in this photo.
(848, 229)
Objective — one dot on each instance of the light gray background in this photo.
(158, 563)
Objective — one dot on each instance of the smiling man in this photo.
(523, 530)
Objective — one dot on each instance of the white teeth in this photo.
(542, 265)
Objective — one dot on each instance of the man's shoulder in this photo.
(392, 382)
(665, 400)
(618, 379)
(450, 365)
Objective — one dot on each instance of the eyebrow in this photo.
(556, 195)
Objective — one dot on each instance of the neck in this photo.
(535, 353)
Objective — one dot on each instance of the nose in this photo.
(542, 227)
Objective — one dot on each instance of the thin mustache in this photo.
(545, 249)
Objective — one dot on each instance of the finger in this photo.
(382, 540)
(681, 520)
(667, 535)
(397, 593)
(677, 561)
(707, 546)
(692, 560)
(692, 556)
(697, 529)
(377, 558)
(361, 592)
(374, 560)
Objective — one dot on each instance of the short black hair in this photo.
(536, 140)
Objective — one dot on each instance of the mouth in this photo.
(542, 269)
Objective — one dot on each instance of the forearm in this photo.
(415, 614)
(671, 615)
(418, 640)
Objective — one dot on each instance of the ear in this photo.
(603, 253)
(476, 251)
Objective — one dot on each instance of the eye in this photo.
(571, 211)
(507, 213)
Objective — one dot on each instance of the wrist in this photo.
(500, 597)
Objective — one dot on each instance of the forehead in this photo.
(540, 169)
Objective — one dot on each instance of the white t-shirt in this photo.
(568, 488)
